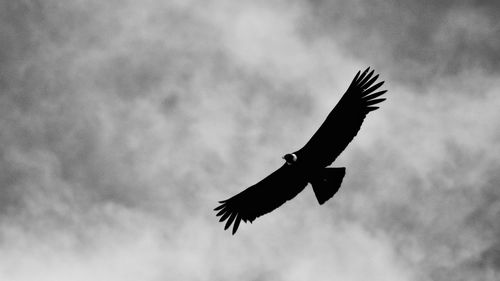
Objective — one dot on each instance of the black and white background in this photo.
(122, 123)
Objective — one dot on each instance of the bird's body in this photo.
(309, 164)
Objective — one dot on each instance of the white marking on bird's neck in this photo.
(294, 159)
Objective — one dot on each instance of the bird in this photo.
(310, 164)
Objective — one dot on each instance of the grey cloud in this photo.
(427, 40)
(123, 123)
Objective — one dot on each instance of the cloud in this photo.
(123, 123)
(420, 42)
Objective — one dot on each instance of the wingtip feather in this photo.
(356, 77)
(236, 224)
(229, 221)
(219, 207)
(360, 78)
(372, 89)
(370, 82)
(375, 95)
(365, 79)
(375, 101)
(221, 212)
(372, 108)
(224, 216)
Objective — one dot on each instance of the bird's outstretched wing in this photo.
(343, 122)
(261, 198)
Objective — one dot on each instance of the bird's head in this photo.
(290, 158)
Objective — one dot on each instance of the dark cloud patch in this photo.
(421, 41)
(484, 219)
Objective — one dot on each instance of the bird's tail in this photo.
(327, 182)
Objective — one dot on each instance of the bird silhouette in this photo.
(310, 163)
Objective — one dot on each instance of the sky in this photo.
(122, 123)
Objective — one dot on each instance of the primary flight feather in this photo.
(309, 164)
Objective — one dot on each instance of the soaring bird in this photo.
(310, 163)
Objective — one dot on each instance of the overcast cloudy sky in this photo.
(122, 123)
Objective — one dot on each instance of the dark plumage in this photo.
(308, 164)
